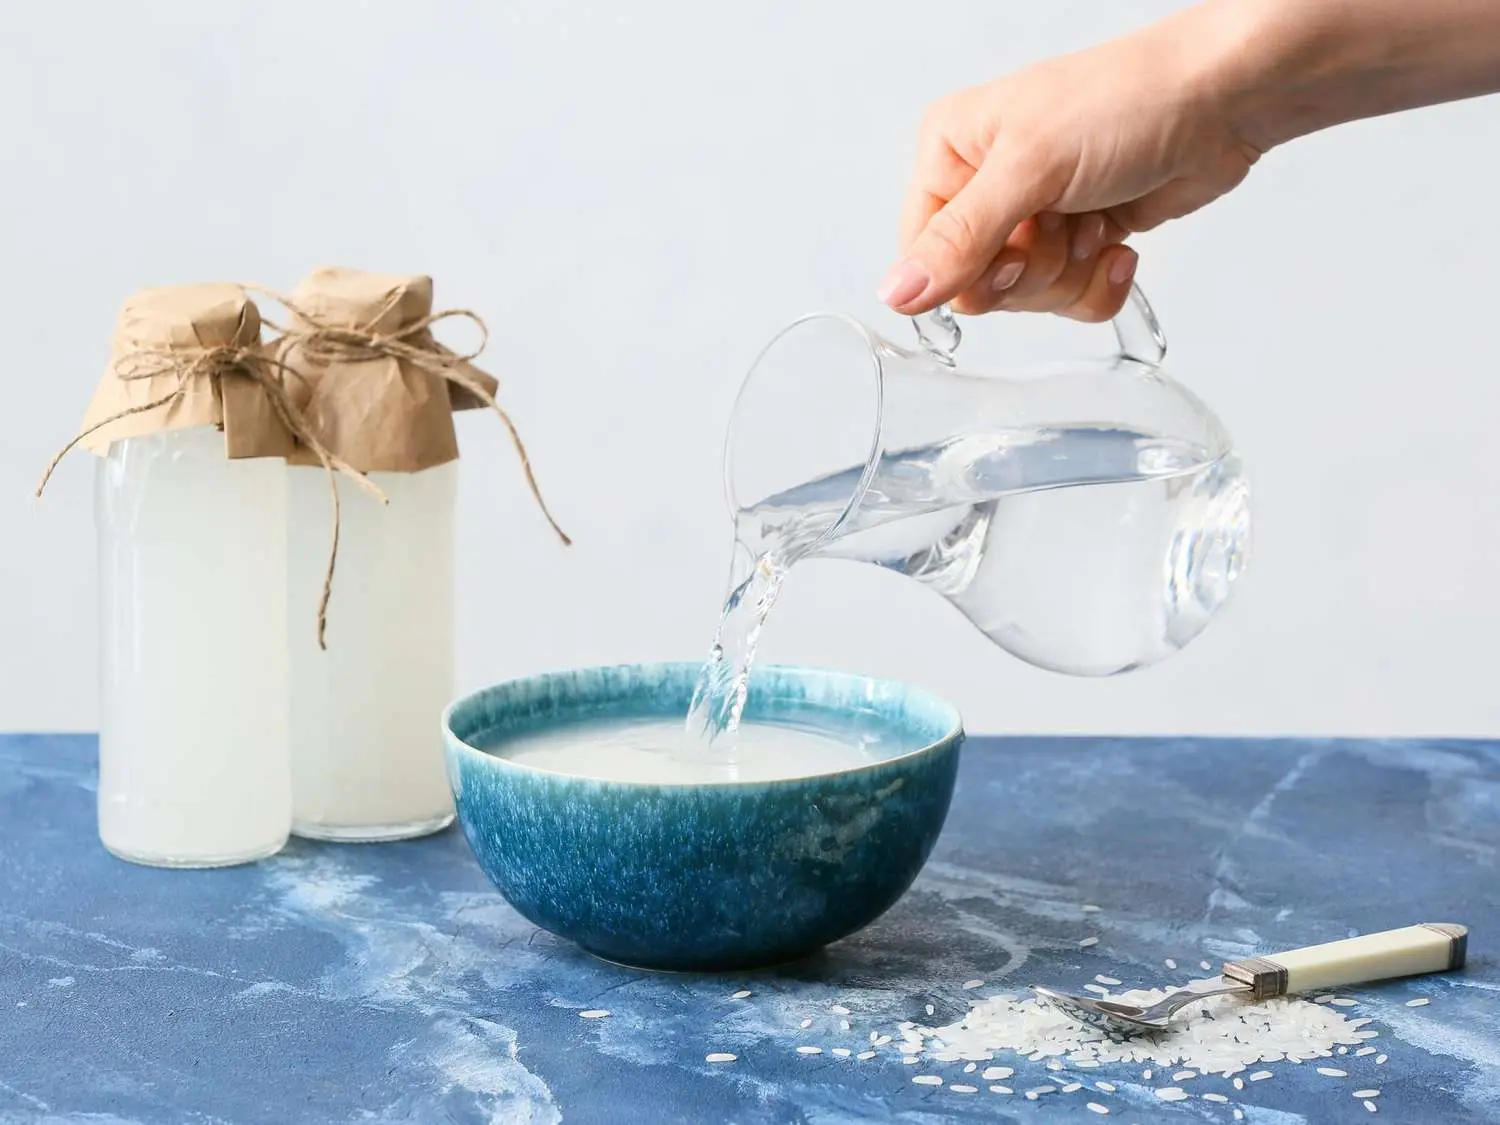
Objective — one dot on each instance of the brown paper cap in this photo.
(379, 412)
(168, 329)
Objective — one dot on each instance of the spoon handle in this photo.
(1432, 947)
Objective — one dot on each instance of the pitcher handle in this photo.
(1136, 328)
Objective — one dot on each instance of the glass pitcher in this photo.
(1090, 517)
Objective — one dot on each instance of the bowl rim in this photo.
(953, 736)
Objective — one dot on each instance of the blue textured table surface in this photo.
(390, 983)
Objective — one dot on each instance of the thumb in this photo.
(961, 239)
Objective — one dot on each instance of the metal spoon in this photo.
(1431, 947)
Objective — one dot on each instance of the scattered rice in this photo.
(968, 984)
(1233, 1037)
(842, 1052)
(1172, 1094)
(839, 1010)
(1099, 988)
(1088, 941)
(593, 1014)
(1380, 1060)
(1215, 1098)
(1107, 1087)
(1239, 1083)
(1204, 965)
(994, 1072)
(1097, 1108)
(1367, 1093)
(927, 1080)
(720, 1057)
(911, 1060)
(1072, 1087)
(1364, 1051)
(809, 1050)
(865, 1055)
(1090, 908)
(880, 1040)
(1001, 1090)
(929, 1009)
(1102, 979)
(807, 1023)
(964, 1089)
(1371, 1107)
(1239, 1115)
(1344, 1002)
(1419, 1001)
(741, 994)
(971, 1068)
(1333, 1072)
(1326, 998)
(843, 1025)
(1171, 964)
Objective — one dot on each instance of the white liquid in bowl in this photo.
(651, 751)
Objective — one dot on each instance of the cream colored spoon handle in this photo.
(1432, 947)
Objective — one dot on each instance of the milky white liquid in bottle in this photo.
(193, 767)
(367, 751)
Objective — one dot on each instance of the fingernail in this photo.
(1050, 221)
(1122, 269)
(1089, 237)
(903, 284)
(1007, 275)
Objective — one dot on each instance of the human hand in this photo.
(1025, 188)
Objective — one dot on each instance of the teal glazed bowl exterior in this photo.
(701, 877)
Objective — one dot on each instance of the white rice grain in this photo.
(742, 994)
(842, 1052)
(1102, 979)
(1367, 1093)
(972, 984)
(1088, 941)
(1333, 1072)
(1418, 1002)
(1107, 1087)
(964, 1089)
(1001, 1090)
(720, 1057)
(593, 1014)
(927, 1080)
(865, 1055)
(1097, 1108)
(1171, 964)
(1172, 1094)
(1371, 1107)
(1215, 1098)
(809, 1050)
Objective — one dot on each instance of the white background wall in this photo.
(636, 195)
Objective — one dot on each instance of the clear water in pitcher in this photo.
(1084, 550)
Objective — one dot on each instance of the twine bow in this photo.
(411, 343)
(213, 363)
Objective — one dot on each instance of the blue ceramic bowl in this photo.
(702, 877)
